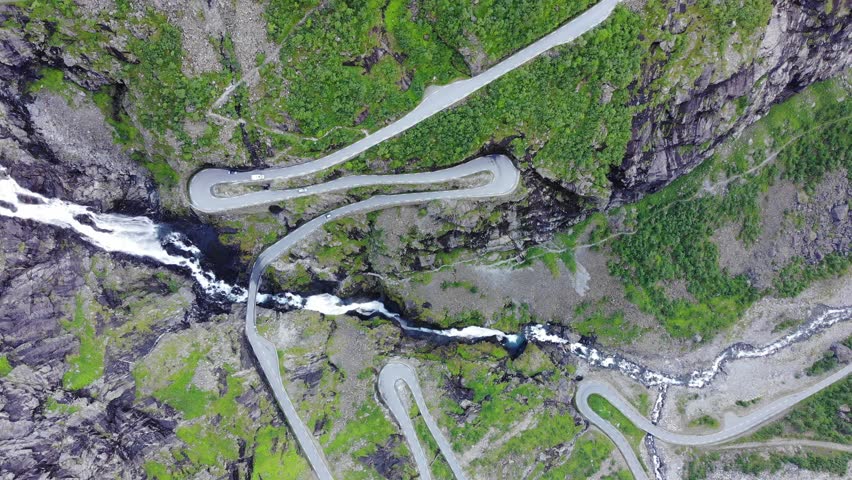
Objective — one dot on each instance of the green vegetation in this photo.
(5, 366)
(393, 50)
(61, 408)
(797, 275)
(642, 403)
(157, 470)
(252, 233)
(673, 227)
(825, 364)
(614, 416)
(428, 59)
(819, 417)
(124, 132)
(785, 325)
(469, 286)
(369, 429)
(282, 15)
(166, 97)
(820, 151)
(759, 464)
(500, 26)
(274, 458)
(700, 466)
(207, 447)
(87, 365)
(551, 429)
(497, 395)
(180, 392)
(766, 433)
(619, 475)
(550, 259)
(570, 122)
(159, 95)
(747, 403)
(297, 279)
(564, 244)
(512, 317)
(756, 463)
(329, 88)
(549, 432)
(533, 362)
(440, 469)
(513, 406)
(370, 85)
(171, 283)
(347, 248)
(704, 421)
(738, 16)
(586, 458)
(217, 421)
(608, 328)
(122, 326)
(835, 463)
(52, 80)
(425, 38)
(674, 243)
(162, 172)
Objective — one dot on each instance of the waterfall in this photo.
(142, 237)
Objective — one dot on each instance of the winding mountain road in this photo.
(504, 180)
(391, 376)
(731, 430)
(436, 99)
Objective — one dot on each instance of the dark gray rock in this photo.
(802, 44)
(842, 352)
(840, 212)
(386, 460)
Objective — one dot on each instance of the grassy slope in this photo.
(673, 227)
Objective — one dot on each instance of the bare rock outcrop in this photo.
(802, 44)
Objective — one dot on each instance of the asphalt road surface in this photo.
(435, 100)
(504, 180)
(390, 378)
(732, 428)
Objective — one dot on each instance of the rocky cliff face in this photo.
(63, 147)
(43, 422)
(802, 44)
(681, 117)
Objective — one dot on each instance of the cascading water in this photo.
(822, 318)
(141, 237)
(650, 441)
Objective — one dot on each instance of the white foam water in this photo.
(822, 318)
(331, 305)
(141, 237)
(650, 441)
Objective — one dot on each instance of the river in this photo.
(140, 236)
